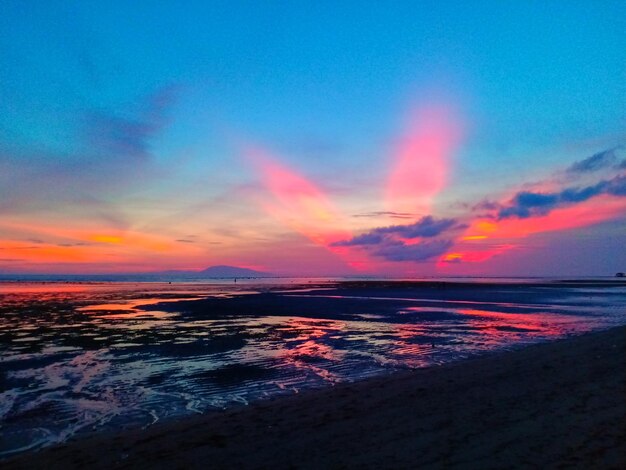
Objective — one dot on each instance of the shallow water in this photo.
(91, 357)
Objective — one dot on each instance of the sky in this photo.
(417, 138)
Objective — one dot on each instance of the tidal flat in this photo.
(81, 360)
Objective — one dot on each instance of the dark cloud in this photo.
(617, 186)
(596, 162)
(369, 238)
(184, 240)
(530, 204)
(390, 242)
(426, 227)
(486, 206)
(394, 250)
(527, 204)
(622, 165)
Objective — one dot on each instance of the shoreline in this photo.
(559, 402)
(452, 281)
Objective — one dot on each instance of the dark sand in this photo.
(348, 300)
(544, 406)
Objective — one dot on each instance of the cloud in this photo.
(421, 165)
(123, 138)
(596, 162)
(392, 214)
(28, 247)
(295, 200)
(369, 238)
(111, 152)
(617, 186)
(119, 137)
(426, 227)
(532, 204)
(526, 204)
(486, 205)
(430, 238)
(394, 250)
(390, 243)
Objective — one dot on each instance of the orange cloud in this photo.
(114, 239)
(597, 210)
(49, 244)
(486, 238)
(28, 252)
(473, 255)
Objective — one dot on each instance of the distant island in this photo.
(220, 271)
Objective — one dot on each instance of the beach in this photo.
(556, 404)
(296, 235)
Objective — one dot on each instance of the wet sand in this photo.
(553, 404)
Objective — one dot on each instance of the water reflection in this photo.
(92, 357)
(307, 346)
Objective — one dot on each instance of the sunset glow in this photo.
(297, 202)
(423, 160)
(324, 234)
(317, 149)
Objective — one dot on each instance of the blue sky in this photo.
(167, 97)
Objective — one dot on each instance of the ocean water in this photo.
(87, 357)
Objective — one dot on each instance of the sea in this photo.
(81, 356)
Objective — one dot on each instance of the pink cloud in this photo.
(423, 159)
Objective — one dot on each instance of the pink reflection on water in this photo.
(305, 344)
(123, 306)
(544, 324)
(23, 288)
(112, 295)
(425, 343)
